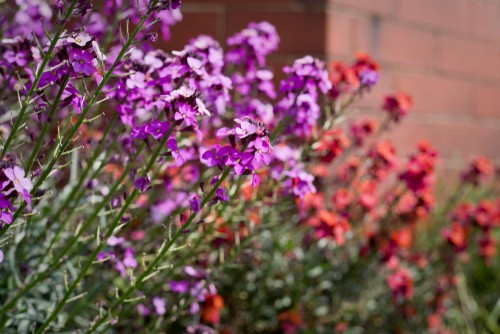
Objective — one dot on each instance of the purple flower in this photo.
(137, 79)
(240, 161)
(186, 113)
(245, 129)
(179, 286)
(160, 305)
(82, 7)
(143, 310)
(197, 273)
(222, 195)
(224, 132)
(165, 208)
(114, 241)
(299, 182)
(6, 217)
(22, 185)
(172, 145)
(255, 180)
(261, 154)
(129, 260)
(79, 39)
(369, 78)
(216, 155)
(18, 58)
(251, 46)
(51, 76)
(194, 308)
(195, 203)
(73, 96)
(157, 129)
(143, 183)
(82, 61)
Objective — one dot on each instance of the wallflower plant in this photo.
(185, 191)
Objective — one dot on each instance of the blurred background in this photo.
(445, 53)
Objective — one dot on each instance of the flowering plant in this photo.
(186, 192)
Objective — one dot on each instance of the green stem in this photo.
(77, 189)
(103, 243)
(41, 137)
(38, 76)
(152, 266)
(57, 263)
(48, 170)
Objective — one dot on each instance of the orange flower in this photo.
(212, 308)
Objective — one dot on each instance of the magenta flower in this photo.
(129, 260)
(186, 114)
(216, 155)
(240, 161)
(143, 183)
(82, 61)
(6, 217)
(157, 129)
(22, 185)
(172, 145)
(262, 149)
(179, 286)
(52, 75)
(245, 129)
(137, 79)
(195, 202)
(18, 58)
(72, 96)
(160, 305)
(79, 39)
(222, 195)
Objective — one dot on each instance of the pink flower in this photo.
(22, 185)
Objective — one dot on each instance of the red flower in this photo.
(398, 105)
(479, 169)
(211, 309)
(332, 144)
(401, 284)
(329, 224)
(291, 321)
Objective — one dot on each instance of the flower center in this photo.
(78, 40)
(16, 181)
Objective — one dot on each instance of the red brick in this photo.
(301, 33)
(485, 20)
(192, 25)
(465, 56)
(437, 94)
(487, 100)
(372, 6)
(396, 44)
(338, 35)
(457, 141)
(449, 14)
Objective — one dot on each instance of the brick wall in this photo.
(446, 53)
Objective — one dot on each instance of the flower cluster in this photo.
(13, 183)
